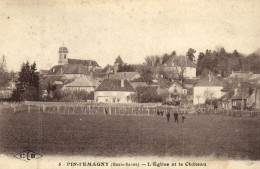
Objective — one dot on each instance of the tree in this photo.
(208, 94)
(4, 75)
(190, 54)
(180, 68)
(27, 85)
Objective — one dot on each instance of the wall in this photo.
(199, 91)
(102, 96)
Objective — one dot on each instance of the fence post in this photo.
(29, 108)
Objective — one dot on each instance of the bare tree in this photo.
(208, 94)
(198, 97)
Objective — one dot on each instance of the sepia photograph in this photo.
(129, 84)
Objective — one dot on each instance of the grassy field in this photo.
(110, 135)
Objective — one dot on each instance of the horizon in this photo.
(101, 31)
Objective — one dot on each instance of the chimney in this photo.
(122, 83)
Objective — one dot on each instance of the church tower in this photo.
(63, 55)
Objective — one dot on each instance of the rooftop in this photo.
(115, 85)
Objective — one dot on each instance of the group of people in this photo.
(176, 117)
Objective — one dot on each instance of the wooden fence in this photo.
(113, 109)
(234, 113)
(90, 109)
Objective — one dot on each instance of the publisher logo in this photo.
(27, 155)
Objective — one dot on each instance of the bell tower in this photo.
(63, 55)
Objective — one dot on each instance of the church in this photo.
(71, 68)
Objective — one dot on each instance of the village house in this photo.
(114, 91)
(208, 88)
(180, 65)
(83, 83)
(124, 75)
(240, 95)
(238, 76)
(138, 82)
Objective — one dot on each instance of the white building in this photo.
(114, 91)
(207, 88)
(83, 83)
(176, 65)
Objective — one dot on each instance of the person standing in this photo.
(183, 117)
(168, 117)
(176, 117)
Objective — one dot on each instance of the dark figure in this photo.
(176, 117)
(183, 117)
(106, 111)
(158, 113)
(168, 117)
(161, 113)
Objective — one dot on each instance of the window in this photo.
(64, 56)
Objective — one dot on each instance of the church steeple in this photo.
(63, 55)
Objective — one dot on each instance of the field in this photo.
(115, 135)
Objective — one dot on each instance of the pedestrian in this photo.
(168, 117)
(183, 117)
(176, 117)
(106, 111)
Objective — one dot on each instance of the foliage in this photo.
(220, 61)
(27, 85)
(71, 96)
(4, 75)
(146, 96)
(125, 68)
(190, 54)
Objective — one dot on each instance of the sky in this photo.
(102, 30)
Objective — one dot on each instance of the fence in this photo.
(234, 113)
(86, 108)
(112, 109)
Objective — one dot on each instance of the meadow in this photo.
(122, 135)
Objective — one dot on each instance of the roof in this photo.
(240, 75)
(107, 69)
(241, 94)
(227, 96)
(56, 70)
(119, 60)
(139, 79)
(182, 61)
(115, 85)
(207, 82)
(83, 81)
(148, 89)
(69, 69)
(178, 83)
(63, 49)
(124, 75)
(254, 77)
(83, 62)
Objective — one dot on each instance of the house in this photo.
(240, 95)
(138, 82)
(124, 75)
(180, 66)
(255, 78)
(238, 76)
(207, 88)
(114, 91)
(177, 91)
(83, 83)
